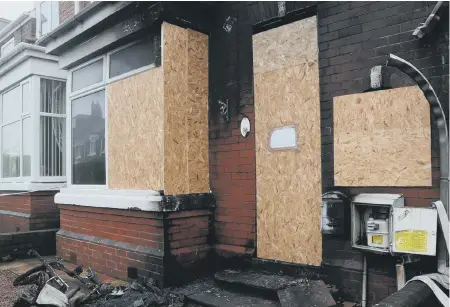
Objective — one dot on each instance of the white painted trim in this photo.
(31, 186)
(14, 25)
(89, 90)
(20, 54)
(77, 7)
(50, 17)
(82, 91)
(5, 45)
(145, 200)
(130, 73)
(68, 139)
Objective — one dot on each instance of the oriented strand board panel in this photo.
(135, 132)
(185, 64)
(197, 117)
(285, 46)
(289, 180)
(382, 138)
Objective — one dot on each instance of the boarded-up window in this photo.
(382, 138)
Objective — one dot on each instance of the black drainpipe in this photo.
(439, 118)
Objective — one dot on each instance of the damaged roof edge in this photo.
(59, 39)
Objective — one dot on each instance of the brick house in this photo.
(161, 180)
(32, 90)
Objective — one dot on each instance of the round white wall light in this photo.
(245, 127)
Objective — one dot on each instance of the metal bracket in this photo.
(223, 108)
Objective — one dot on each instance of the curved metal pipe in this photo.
(439, 117)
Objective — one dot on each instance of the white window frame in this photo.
(34, 114)
(38, 17)
(38, 130)
(6, 45)
(102, 146)
(93, 88)
(22, 116)
(79, 152)
(92, 152)
(129, 73)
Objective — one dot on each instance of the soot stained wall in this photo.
(352, 38)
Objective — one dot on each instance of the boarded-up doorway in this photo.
(287, 133)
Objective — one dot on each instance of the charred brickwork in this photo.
(17, 245)
(171, 247)
(232, 157)
(354, 37)
(116, 242)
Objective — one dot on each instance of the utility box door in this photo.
(414, 231)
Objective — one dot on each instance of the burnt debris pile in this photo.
(45, 287)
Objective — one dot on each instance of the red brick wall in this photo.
(40, 206)
(188, 234)
(84, 4)
(17, 203)
(233, 181)
(9, 223)
(108, 260)
(167, 246)
(66, 10)
(135, 227)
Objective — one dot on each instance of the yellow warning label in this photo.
(377, 239)
(411, 241)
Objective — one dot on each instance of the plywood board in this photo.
(382, 138)
(285, 46)
(135, 131)
(185, 64)
(288, 181)
(197, 117)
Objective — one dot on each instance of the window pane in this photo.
(11, 106)
(88, 75)
(11, 150)
(26, 146)
(52, 146)
(53, 96)
(133, 57)
(45, 18)
(26, 98)
(88, 133)
(55, 14)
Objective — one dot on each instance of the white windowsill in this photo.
(145, 200)
(31, 186)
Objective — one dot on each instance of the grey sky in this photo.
(12, 9)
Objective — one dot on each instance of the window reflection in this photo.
(88, 135)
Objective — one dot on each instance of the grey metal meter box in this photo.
(382, 224)
(333, 213)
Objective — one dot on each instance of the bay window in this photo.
(32, 132)
(88, 108)
(14, 118)
(52, 126)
